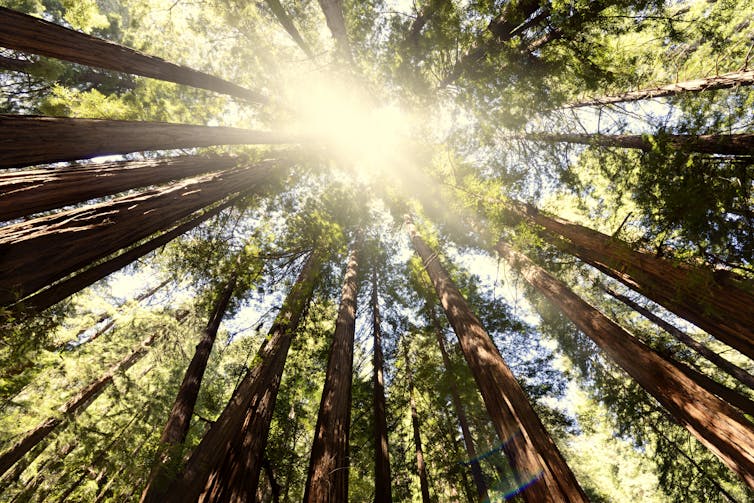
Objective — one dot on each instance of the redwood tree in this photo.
(327, 479)
(536, 461)
(715, 423)
(26, 33)
(382, 492)
(421, 466)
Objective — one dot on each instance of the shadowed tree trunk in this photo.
(721, 308)
(26, 33)
(725, 144)
(285, 20)
(32, 191)
(327, 479)
(70, 240)
(333, 11)
(67, 287)
(29, 140)
(421, 467)
(539, 467)
(724, 81)
(226, 464)
(382, 492)
(723, 364)
(47, 468)
(15, 65)
(717, 425)
(476, 470)
(177, 427)
(74, 406)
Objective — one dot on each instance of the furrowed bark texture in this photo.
(70, 240)
(723, 364)
(724, 81)
(26, 192)
(225, 466)
(327, 480)
(536, 461)
(26, 140)
(476, 470)
(67, 287)
(723, 309)
(724, 144)
(75, 405)
(716, 424)
(26, 33)
(421, 467)
(382, 492)
(178, 423)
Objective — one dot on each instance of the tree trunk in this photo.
(724, 81)
(382, 492)
(476, 469)
(63, 289)
(721, 308)
(177, 427)
(713, 422)
(724, 144)
(732, 369)
(27, 192)
(427, 12)
(74, 406)
(333, 11)
(29, 140)
(70, 240)
(44, 471)
(539, 467)
(25, 33)
(15, 65)
(327, 479)
(421, 467)
(226, 464)
(285, 20)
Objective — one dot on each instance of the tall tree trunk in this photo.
(63, 289)
(712, 421)
(721, 308)
(476, 469)
(32, 191)
(333, 11)
(725, 144)
(327, 479)
(29, 140)
(225, 466)
(421, 467)
(177, 427)
(382, 492)
(70, 240)
(724, 81)
(74, 406)
(26, 33)
(15, 65)
(285, 20)
(536, 461)
(732, 369)
(45, 470)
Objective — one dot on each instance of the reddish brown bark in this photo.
(67, 287)
(382, 492)
(25, 33)
(468, 441)
(723, 364)
(70, 240)
(177, 427)
(536, 461)
(724, 81)
(75, 405)
(716, 424)
(285, 20)
(226, 464)
(421, 466)
(725, 144)
(327, 479)
(721, 308)
(29, 140)
(31, 191)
